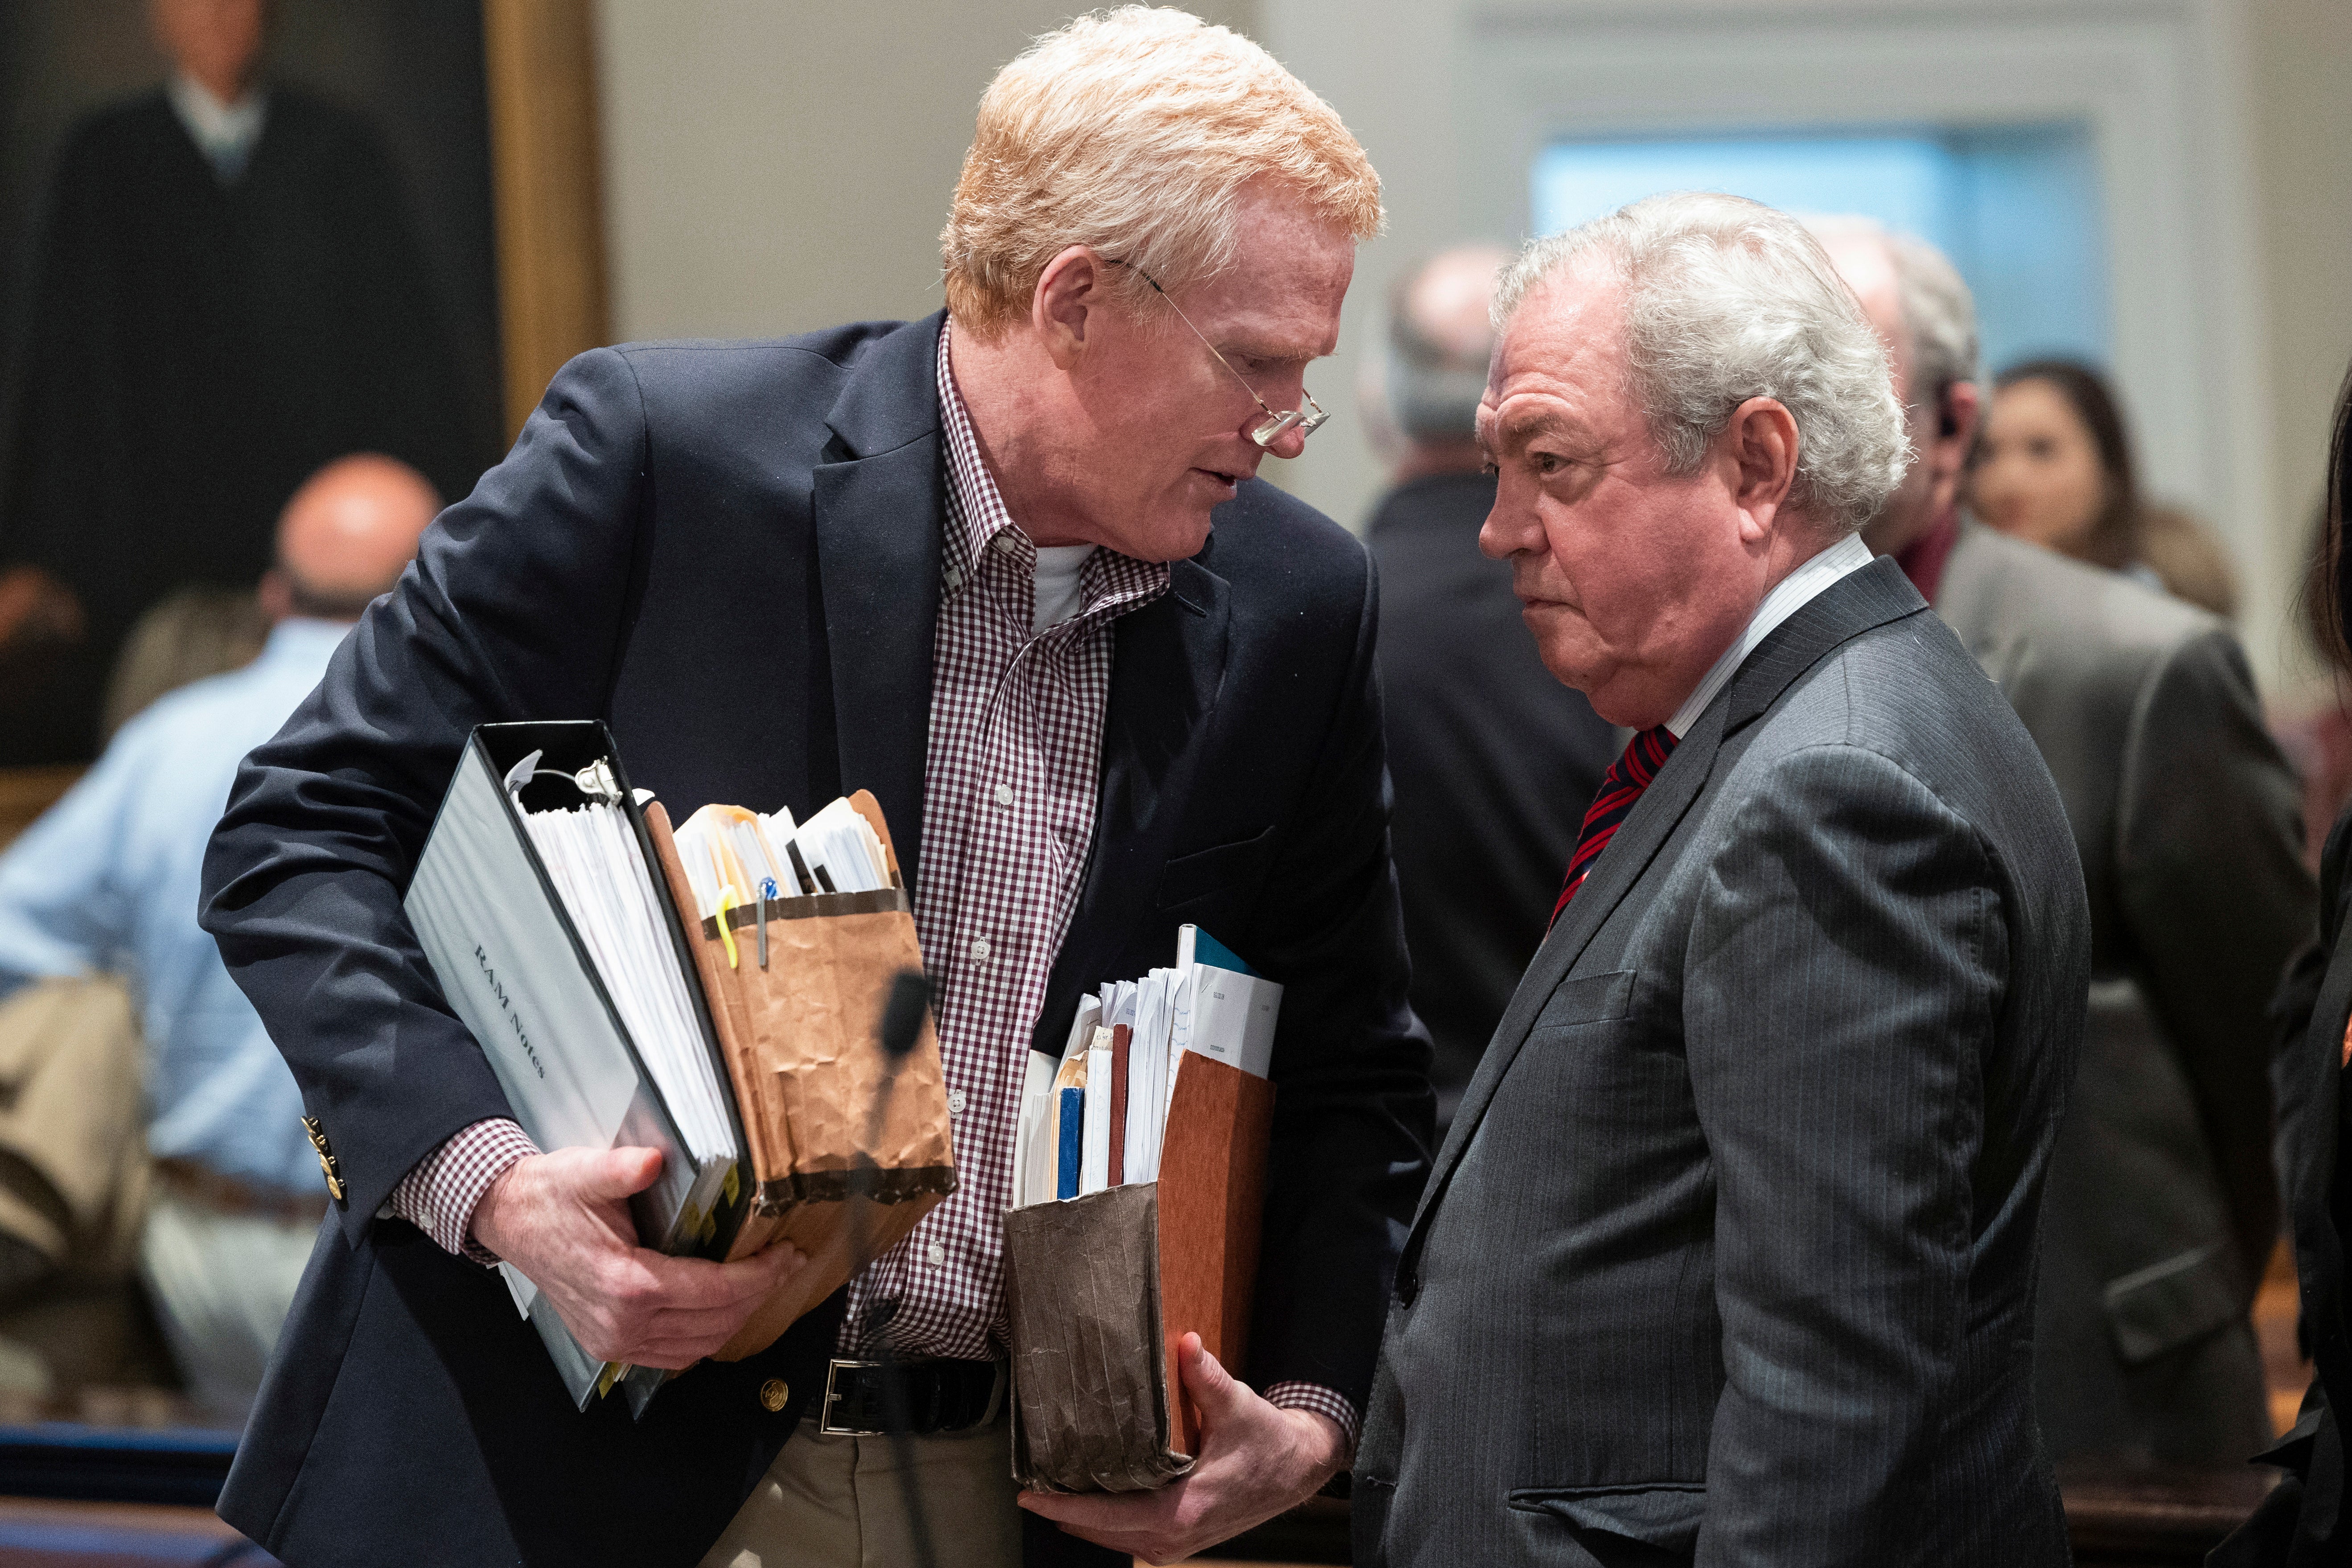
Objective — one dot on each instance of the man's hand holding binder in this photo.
(681, 1075)
(1257, 1461)
(563, 1219)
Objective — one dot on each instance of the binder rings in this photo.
(755, 1087)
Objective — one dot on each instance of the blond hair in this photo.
(1131, 131)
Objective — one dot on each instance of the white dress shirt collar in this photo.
(226, 133)
(304, 641)
(1789, 595)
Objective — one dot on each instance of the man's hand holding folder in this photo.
(1232, 1486)
(563, 1219)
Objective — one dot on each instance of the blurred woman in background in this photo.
(2053, 465)
(2304, 1521)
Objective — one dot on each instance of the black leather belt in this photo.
(942, 1396)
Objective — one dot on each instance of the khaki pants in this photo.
(838, 1502)
(222, 1284)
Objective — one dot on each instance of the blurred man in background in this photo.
(1493, 761)
(2163, 1207)
(108, 880)
(228, 293)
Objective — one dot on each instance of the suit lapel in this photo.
(1168, 662)
(1867, 597)
(1639, 838)
(879, 515)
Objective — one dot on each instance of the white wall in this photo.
(2299, 57)
(772, 167)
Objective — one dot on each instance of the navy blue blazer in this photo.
(730, 553)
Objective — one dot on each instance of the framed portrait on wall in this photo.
(238, 240)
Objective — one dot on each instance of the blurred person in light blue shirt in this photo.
(108, 880)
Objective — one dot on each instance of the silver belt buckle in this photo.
(824, 1419)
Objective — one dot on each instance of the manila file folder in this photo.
(756, 1088)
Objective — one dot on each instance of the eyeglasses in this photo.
(1276, 424)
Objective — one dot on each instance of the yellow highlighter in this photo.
(728, 898)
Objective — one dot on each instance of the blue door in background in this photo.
(2018, 209)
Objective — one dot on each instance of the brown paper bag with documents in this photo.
(797, 1035)
(1100, 1289)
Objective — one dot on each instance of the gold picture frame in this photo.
(547, 191)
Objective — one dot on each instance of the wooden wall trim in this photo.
(548, 191)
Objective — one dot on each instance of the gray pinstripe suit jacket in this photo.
(1730, 1253)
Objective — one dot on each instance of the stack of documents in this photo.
(592, 854)
(1138, 1185)
(1100, 1118)
(733, 857)
(596, 959)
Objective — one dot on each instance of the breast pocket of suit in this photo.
(1589, 1053)
(1202, 874)
(1602, 1071)
(1586, 999)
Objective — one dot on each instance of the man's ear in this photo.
(1947, 457)
(277, 595)
(1956, 414)
(1760, 445)
(1071, 289)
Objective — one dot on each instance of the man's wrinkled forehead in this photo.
(1564, 345)
(1505, 431)
(1280, 297)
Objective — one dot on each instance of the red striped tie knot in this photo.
(1621, 786)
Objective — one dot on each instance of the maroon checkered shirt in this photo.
(1009, 790)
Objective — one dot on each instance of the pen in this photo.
(767, 891)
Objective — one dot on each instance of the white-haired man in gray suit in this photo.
(1728, 1255)
(2163, 1207)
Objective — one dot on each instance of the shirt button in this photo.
(1006, 544)
(939, 1255)
(775, 1394)
(981, 950)
(955, 1102)
(1005, 794)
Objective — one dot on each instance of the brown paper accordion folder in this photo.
(799, 1041)
(1100, 1288)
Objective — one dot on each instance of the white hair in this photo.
(1939, 314)
(1726, 299)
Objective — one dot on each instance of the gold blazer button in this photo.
(775, 1394)
(327, 1167)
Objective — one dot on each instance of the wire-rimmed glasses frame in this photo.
(1276, 424)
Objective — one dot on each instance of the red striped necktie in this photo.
(1621, 786)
